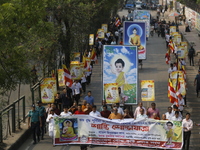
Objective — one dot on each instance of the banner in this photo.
(61, 80)
(76, 56)
(182, 85)
(177, 39)
(120, 66)
(150, 133)
(111, 93)
(91, 39)
(48, 90)
(75, 70)
(100, 33)
(143, 16)
(177, 74)
(135, 35)
(181, 52)
(191, 14)
(147, 90)
(172, 29)
(104, 27)
(198, 21)
(185, 45)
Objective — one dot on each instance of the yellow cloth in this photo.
(69, 133)
(135, 40)
(113, 116)
(83, 107)
(170, 133)
(121, 82)
(109, 95)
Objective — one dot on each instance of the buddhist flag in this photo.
(172, 93)
(167, 58)
(93, 56)
(67, 76)
(117, 22)
(171, 46)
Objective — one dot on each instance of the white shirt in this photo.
(181, 102)
(83, 79)
(116, 33)
(65, 114)
(180, 115)
(139, 116)
(176, 119)
(137, 111)
(174, 68)
(170, 70)
(120, 111)
(51, 123)
(169, 115)
(76, 88)
(95, 114)
(167, 37)
(113, 43)
(188, 124)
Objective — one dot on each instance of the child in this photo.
(169, 133)
(121, 78)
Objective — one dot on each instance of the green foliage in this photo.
(28, 37)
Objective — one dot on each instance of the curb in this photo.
(21, 140)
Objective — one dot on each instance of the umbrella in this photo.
(174, 14)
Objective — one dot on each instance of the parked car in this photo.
(138, 5)
(129, 4)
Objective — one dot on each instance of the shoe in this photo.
(34, 142)
(117, 146)
(42, 138)
(90, 146)
(38, 139)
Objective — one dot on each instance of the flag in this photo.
(67, 76)
(117, 22)
(171, 46)
(172, 93)
(53, 73)
(167, 58)
(94, 56)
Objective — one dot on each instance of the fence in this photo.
(14, 116)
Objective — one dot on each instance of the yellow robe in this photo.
(121, 82)
(69, 133)
(136, 41)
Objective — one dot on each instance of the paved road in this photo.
(153, 68)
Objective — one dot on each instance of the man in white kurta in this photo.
(50, 120)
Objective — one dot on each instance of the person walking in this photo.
(42, 113)
(116, 36)
(187, 127)
(51, 122)
(34, 122)
(197, 83)
(89, 98)
(191, 54)
(76, 91)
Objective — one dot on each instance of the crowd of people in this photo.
(68, 102)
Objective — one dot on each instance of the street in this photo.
(154, 68)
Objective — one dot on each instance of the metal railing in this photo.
(10, 113)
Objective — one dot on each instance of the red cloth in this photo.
(105, 114)
(79, 113)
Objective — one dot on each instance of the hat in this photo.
(39, 102)
(199, 70)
